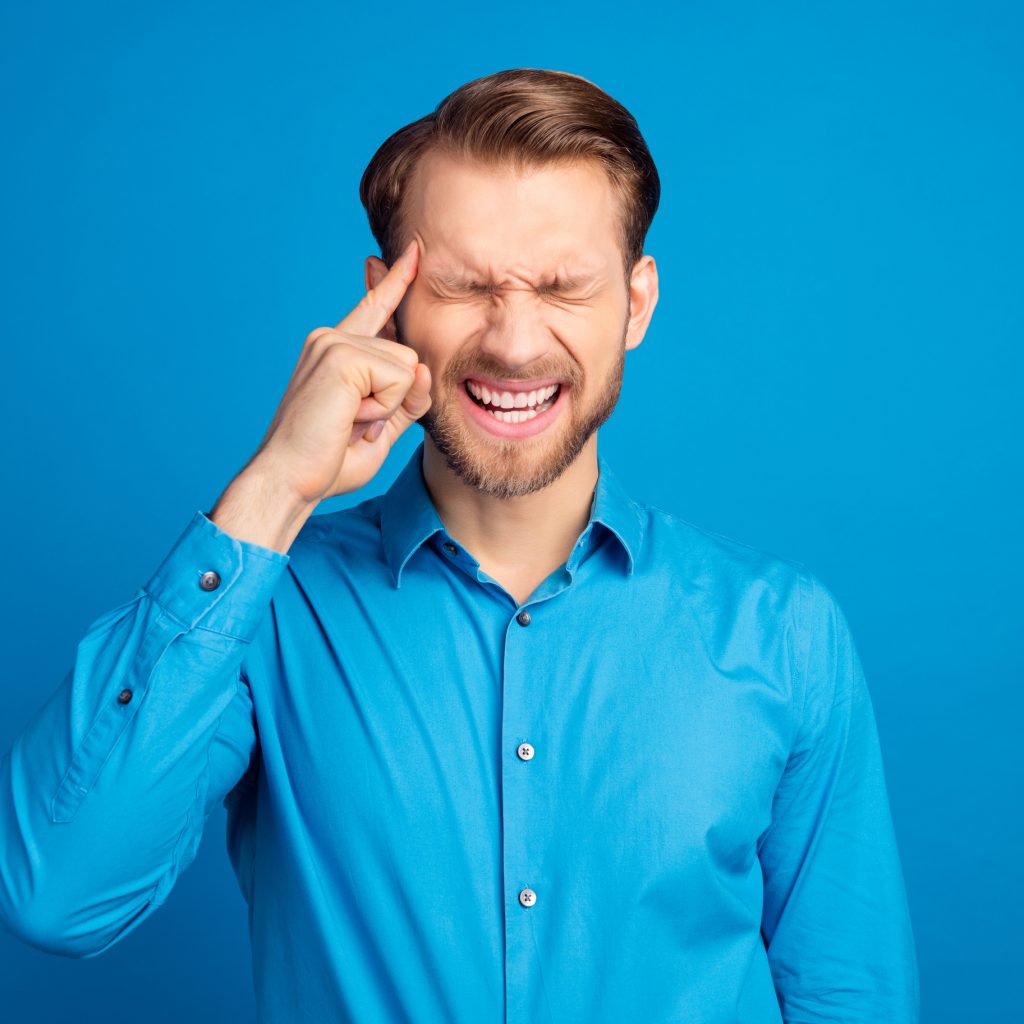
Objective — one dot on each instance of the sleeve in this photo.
(104, 794)
(835, 920)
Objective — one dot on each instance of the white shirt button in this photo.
(525, 751)
(527, 897)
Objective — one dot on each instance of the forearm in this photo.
(257, 507)
(104, 794)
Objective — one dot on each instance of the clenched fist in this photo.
(351, 396)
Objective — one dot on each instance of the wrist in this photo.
(259, 508)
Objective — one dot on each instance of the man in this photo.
(502, 743)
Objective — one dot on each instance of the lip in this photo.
(515, 431)
(513, 386)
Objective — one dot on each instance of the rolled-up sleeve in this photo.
(835, 923)
(104, 794)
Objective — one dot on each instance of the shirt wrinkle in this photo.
(657, 796)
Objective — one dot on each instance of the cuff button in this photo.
(209, 580)
(124, 696)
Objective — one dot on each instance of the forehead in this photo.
(483, 220)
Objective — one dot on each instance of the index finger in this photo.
(376, 307)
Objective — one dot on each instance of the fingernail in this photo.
(375, 431)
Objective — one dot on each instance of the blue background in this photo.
(833, 372)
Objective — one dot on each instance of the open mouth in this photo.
(513, 407)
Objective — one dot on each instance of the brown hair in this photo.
(522, 117)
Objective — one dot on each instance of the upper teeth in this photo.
(510, 399)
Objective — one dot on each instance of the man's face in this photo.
(521, 287)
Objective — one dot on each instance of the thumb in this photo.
(416, 403)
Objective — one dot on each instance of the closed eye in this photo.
(451, 290)
(569, 291)
(561, 294)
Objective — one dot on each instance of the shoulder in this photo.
(773, 601)
(709, 558)
(727, 578)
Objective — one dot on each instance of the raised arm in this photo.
(104, 795)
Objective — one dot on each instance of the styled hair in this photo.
(520, 118)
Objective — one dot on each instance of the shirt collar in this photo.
(408, 517)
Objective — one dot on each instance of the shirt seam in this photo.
(805, 613)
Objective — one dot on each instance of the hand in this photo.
(351, 396)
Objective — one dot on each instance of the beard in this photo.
(503, 467)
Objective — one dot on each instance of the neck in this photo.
(533, 532)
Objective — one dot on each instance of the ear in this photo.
(643, 297)
(374, 272)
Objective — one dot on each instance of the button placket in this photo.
(526, 829)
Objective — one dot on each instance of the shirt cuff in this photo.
(216, 581)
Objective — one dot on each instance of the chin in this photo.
(500, 467)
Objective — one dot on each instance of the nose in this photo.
(516, 335)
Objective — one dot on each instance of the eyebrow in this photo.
(465, 282)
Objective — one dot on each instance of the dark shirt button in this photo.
(450, 548)
(523, 618)
(209, 580)
(124, 696)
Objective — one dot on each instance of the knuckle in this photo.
(370, 300)
(316, 334)
(336, 353)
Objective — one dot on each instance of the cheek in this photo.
(589, 332)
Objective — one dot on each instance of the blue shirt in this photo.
(653, 792)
